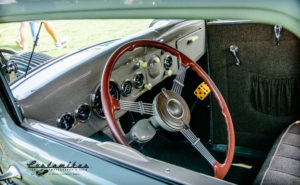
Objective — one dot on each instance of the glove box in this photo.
(193, 44)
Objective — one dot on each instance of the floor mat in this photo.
(181, 153)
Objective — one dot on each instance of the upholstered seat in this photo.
(282, 165)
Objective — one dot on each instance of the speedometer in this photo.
(96, 98)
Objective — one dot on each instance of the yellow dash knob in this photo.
(192, 39)
(168, 72)
(148, 86)
(156, 60)
(142, 64)
(202, 91)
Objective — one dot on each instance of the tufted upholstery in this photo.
(282, 165)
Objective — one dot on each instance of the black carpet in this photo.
(180, 152)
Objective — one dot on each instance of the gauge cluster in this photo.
(129, 81)
(139, 72)
(67, 120)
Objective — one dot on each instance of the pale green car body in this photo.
(19, 145)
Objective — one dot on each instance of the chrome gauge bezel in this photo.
(165, 66)
(77, 115)
(123, 86)
(58, 120)
(93, 96)
(134, 80)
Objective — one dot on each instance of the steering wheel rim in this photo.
(110, 105)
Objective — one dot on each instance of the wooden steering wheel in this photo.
(168, 109)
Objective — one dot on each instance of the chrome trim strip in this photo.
(220, 21)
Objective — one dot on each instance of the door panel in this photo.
(262, 93)
(20, 147)
(108, 163)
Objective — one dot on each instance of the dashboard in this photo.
(129, 80)
(70, 98)
(134, 77)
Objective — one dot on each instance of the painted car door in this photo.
(44, 161)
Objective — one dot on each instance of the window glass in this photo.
(57, 38)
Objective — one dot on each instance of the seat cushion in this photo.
(282, 165)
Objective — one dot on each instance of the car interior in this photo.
(255, 67)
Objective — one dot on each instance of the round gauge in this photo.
(154, 67)
(168, 62)
(138, 80)
(126, 88)
(66, 121)
(83, 112)
(96, 98)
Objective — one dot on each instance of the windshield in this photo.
(57, 38)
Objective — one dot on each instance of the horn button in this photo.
(171, 111)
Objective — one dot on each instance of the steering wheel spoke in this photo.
(139, 107)
(195, 141)
(178, 82)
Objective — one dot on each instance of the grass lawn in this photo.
(80, 32)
